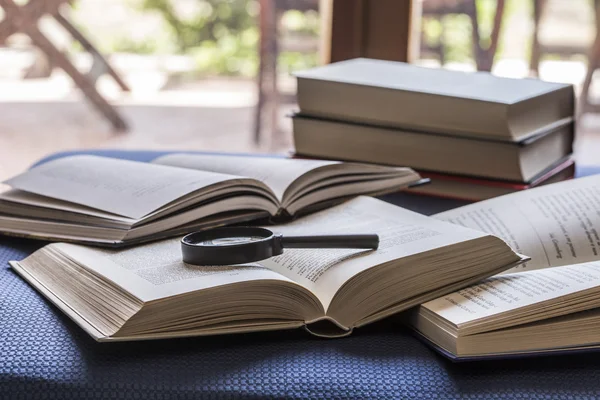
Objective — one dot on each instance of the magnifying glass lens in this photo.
(229, 241)
(240, 245)
(229, 246)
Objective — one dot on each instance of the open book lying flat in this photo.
(549, 304)
(109, 201)
(147, 292)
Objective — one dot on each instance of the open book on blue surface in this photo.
(148, 292)
(109, 201)
(547, 305)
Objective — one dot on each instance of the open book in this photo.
(113, 202)
(542, 305)
(147, 292)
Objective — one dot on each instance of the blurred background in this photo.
(217, 74)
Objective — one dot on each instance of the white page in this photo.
(555, 225)
(21, 197)
(127, 188)
(156, 270)
(402, 233)
(277, 173)
(503, 293)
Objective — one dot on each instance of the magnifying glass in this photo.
(240, 245)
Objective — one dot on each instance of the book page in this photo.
(555, 225)
(20, 199)
(126, 188)
(277, 173)
(156, 270)
(401, 232)
(507, 292)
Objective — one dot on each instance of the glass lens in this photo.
(229, 241)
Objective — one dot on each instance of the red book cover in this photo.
(474, 189)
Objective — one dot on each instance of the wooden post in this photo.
(24, 19)
(381, 29)
(484, 57)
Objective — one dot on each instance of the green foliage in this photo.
(222, 35)
(432, 31)
(458, 38)
(205, 21)
(128, 45)
(290, 61)
(513, 7)
(457, 29)
(230, 55)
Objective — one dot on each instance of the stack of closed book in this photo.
(476, 135)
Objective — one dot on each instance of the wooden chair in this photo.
(592, 51)
(593, 63)
(269, 97)
(573, 38)
(24, 19)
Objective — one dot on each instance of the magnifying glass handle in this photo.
(368, 241)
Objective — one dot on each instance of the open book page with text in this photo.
(299, 183)
(149, 292)
(276, 172)
(551, 289)
(156, 270)
(20, 202)
(114, 202)
(126, 188)
(555, 225)
(402, 233)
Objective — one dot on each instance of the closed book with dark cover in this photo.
(475, 104)
(473, 189)
(451, 154)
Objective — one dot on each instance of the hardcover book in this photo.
(395, 94)
(423, 150)
(473, 189)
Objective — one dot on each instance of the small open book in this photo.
(147, 292)
(549, 304)
(109, 201)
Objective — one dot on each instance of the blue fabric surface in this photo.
(43, 355)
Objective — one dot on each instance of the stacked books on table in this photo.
(476, 135)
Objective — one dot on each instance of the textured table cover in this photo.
(43, 355)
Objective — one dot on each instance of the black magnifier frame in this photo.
(241, 245)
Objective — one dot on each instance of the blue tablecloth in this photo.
(43, 355)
